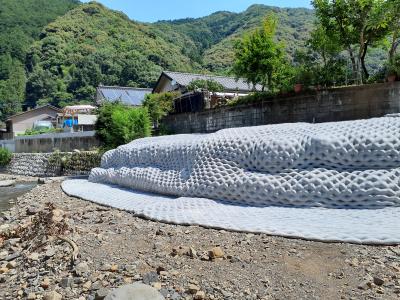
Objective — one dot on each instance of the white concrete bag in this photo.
(328, 182)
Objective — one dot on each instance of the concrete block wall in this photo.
(337, 104)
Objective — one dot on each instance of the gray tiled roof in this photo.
(229, 83)
(128, 95)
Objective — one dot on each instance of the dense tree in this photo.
(67, 48)
(358, 24)
(92, 45)
(321, 63)
(259, 58)
(21, 23)
(159, 105)
(118, 124)
(393, 8)
(209, 85)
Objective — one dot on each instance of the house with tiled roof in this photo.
(177, 81)
(127, 95)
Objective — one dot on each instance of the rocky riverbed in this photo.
(56, 247)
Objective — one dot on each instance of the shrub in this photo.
(159, 105)
(29, 132)
(5, 157)
(118, 124)
(209, 85)
(393, 67)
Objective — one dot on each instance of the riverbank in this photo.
(183, 262)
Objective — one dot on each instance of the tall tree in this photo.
(259, 58)
(394, 12)
(359, 25)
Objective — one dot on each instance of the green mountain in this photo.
(59, 51)
(20, 24)
(91, 44)
(214, 35)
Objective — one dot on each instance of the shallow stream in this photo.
(8, 194)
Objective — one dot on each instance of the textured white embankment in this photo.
(331, 182)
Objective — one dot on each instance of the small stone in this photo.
(101, 294)
(105, 267)
(30, 211)
(354, 262)
(31, 296)
(82, 269)
(53, 295)
(181, 250)
(45, 283)
(11, 264)
(378, 281)
(114, 268)
(136, 291)
(50, 253)
(58, 215)
(3, 270)
(216, 252)
(193, 289)
(96, 285)
(34, 256)
(192, 252)
(157, 285)
(365, 285)
(7, 183)
(66, 282)
(150, 277)
(87, 285)
(200, 295)
(13, 256)
(41, 180)
(2, 279)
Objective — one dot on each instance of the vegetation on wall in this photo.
(118, 124)
(5, 157)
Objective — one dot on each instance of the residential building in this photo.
(127, 95)
(177, 81)
(19, 123)
(195, 101)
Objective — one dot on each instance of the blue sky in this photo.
(153, 10)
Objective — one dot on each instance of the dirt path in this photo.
(116, 248)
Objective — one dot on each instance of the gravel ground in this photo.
(182, 262)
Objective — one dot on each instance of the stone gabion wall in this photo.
(54, 164)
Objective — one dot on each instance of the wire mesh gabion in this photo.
(352, 164)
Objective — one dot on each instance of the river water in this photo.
(7, 194)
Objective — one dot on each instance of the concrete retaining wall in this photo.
(46, 143)
(338, 104)
(54, 164)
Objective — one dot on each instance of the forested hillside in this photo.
(214, 35)
(20, 24)
(58, 51)
(92, 44)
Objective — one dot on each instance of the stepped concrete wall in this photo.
(337, 104)
(46, 143)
